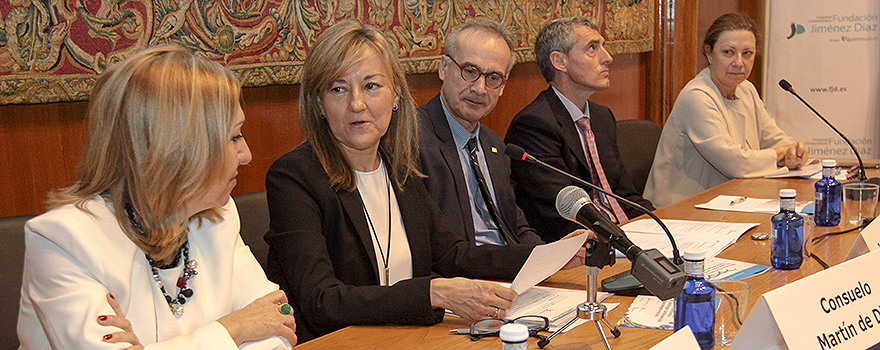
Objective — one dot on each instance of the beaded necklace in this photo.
(189, 270)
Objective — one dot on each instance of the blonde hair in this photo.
(159, 123)
(336, 49)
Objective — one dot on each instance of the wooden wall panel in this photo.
(40, 144)
(39, 151)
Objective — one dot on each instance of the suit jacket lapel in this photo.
(354, 207)
(570, 136)
(417, 227)
(450, 155)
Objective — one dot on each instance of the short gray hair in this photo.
(484, 25)
(556, 35)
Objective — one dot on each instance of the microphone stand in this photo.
(623, 281)
(599, 254)
(676, 257)
(785, 85)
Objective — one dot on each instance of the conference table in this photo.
(831, 250)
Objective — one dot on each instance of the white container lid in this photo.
(829, 163)
(513, 332)
(787, 193)
(694, 255)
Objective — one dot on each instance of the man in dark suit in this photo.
(564, 129)
(479, 56)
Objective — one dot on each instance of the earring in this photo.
(323, 116)
(395, 107)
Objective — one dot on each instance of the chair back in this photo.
(254, 213)
(637, 141)
(12, 260)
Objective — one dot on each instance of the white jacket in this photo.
(73, 259)
(709, 139)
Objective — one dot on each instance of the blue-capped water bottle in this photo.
(695, 306)
(828, 196)
(787, 239)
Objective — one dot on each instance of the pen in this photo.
(738, 201)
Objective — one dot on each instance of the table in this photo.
(831, 250)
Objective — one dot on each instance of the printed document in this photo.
(712, 237)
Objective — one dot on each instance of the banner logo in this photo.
(795, 29)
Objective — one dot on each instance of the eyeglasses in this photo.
(491, 327)
(471, 74)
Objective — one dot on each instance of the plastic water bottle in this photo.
(787, 239)
(695, 306)
(828, 196)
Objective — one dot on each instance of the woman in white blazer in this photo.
(718, 129)
(143, 251)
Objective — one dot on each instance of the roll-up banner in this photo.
(830, 53)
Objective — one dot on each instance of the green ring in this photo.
(286, 309)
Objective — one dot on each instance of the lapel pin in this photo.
(494, 150)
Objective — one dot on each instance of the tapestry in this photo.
(52, 50)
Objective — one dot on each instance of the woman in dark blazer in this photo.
(354, 237)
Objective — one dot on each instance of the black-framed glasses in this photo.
(491, 327)
(471, 74)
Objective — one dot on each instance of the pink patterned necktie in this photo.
(617, 213)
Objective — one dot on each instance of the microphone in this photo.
(785, 85)
(516, 152)
(650, 267)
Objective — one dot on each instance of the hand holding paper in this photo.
(545, 260)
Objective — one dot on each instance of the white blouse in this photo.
(375, 188)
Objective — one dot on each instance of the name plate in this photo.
(682, 340)
(867, 241)
(838, 308)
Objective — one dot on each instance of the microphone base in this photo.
(624, 283)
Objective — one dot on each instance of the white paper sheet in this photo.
(545, 260)
(752, 205)
(682, 340)
(812, 167)
(712, 237)
(558, 305)
(648, 311)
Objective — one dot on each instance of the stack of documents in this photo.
(813, 170)
(648, 311)
(712, 237)
(558, 305)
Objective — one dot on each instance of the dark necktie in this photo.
(487, 195)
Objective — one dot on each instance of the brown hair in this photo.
(159, 126)
(336, 49)
(728, 22)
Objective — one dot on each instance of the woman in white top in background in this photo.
(718, 128)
